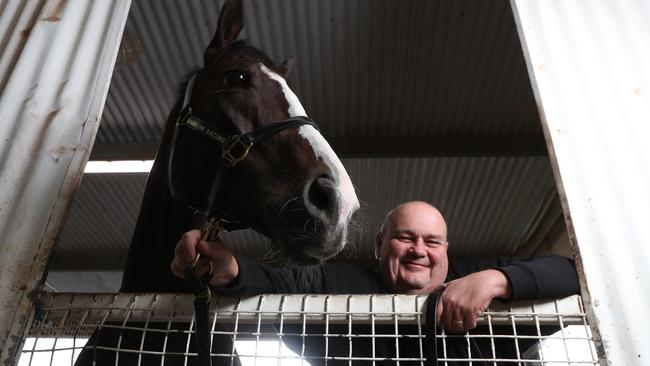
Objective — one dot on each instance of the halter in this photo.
(234, 149)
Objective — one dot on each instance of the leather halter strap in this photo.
(235, 147)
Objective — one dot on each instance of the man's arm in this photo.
(547, 277)
(465, 299)
(472, 284)
(233, 275)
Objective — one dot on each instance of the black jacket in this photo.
(540, 278)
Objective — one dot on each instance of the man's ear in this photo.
(379, 241)
(231, 22)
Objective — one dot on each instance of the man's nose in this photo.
(419, 248)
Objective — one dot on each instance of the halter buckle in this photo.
(211, 229)
(182, 115)
(236, 150)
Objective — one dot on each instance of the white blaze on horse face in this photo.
(322, 150)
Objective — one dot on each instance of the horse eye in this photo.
(236, 79)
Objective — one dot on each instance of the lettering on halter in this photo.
(206, 131)
(215, 135)
(195, 124)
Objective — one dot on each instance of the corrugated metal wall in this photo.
(56, 59)
(589, 64)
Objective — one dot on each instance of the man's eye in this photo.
(433, 244)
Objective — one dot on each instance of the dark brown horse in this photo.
(290, 186)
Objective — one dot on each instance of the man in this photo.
(412, 251)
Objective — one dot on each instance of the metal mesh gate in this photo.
(137, 329)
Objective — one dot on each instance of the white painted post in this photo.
(55, 70)
(589, 63)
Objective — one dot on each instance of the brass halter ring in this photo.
(235, 142)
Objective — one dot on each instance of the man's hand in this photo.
(224, 264)
(465, 299)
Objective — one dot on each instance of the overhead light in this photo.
(119, 166)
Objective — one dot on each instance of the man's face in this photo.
(412, 249)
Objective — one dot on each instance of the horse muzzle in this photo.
(312, 227)
(322, 200)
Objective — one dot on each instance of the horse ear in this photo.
(231, 22)
(287, 66)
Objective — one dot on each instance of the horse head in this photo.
(290, 186)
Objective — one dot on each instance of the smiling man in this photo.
(411, 247)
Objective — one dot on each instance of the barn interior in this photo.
(421, 99)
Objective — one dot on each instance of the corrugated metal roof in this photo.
(408, 68)
(98, 229)
(363, 68)
(488, 202)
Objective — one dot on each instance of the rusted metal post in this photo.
(55, 69)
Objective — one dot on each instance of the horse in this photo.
(289, 185)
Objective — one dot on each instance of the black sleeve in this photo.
(546, 277)
(256, 278)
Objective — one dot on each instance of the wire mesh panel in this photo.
(144, 329)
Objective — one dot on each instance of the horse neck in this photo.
(160, 224)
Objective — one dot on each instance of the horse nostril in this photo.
(321, 198)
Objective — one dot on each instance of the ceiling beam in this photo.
(374, 147)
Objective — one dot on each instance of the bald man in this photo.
(411, 248)
(412, 251)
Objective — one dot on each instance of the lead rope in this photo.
(201, 285)
(431, 352)
(202, 298)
